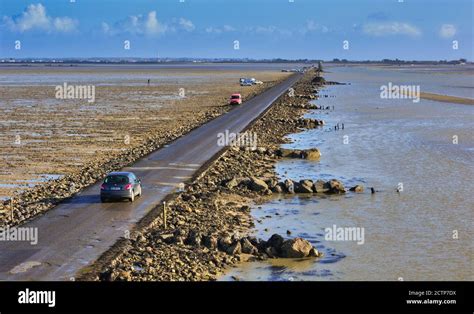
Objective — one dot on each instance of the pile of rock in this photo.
(304, 106)
(271, 185)
(309, 123)
(275, 247)
(310, 154)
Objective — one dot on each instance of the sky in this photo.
(292, 29)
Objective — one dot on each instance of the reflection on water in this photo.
(411, 234)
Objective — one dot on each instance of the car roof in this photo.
(120, 173)
(235, 94)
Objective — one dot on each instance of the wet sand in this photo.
(447, 99)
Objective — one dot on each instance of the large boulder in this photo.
(357, 188)
(194, 238)
(296, 248)
(232, 183)
(335, 186)
(224, 242)
(278, 188)
(288, 153)
(248, 247)
(258, 185)
(235, 248)
(320, 187)
(304, 186)
(210, 241)
(271, 183)
(275, 241)
(289, 186)
(311, 154)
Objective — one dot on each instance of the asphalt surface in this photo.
(76, 232)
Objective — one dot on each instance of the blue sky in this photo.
(317, 29)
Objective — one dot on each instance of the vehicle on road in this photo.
(235, 99)
(246, 82)
(120, 185)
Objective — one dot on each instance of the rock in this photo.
(125, 275)
(335, 186)
(194, 238)
(248, 247)
(258, 185)
(271, 182)
(290, 186)
(304, 186)
(296, 248)
(311, 154)
(320, 187)
(275, 241)
(285, 152)
(235, 248)
(245, 208)
(315, 253)
(232, 183)
(224, 243)
(357, 188)
(271, 252)
(210, 242)
(277, 189)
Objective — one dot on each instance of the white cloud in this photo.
(268, 30)
(312, 26)
(186, 24)
(447, 31)
(391, 28)
(147, 25)
(265, 29)
(220, 30)
(228, 28)
(106, 28)
(152, 26)
(64, 24)
(34, 17)
(214, 30)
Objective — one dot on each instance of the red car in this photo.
(235, 99)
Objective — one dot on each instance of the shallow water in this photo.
(408, 235)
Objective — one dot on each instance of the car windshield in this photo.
(235, 96)
(116, 179)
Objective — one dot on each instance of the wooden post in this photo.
(11, 207)
(164, 214)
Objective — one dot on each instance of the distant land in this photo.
(113, 60)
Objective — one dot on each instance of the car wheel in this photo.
(132, 197)
(103, 199)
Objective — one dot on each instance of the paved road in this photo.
(76, 232)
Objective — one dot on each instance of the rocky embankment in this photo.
(208, 224)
